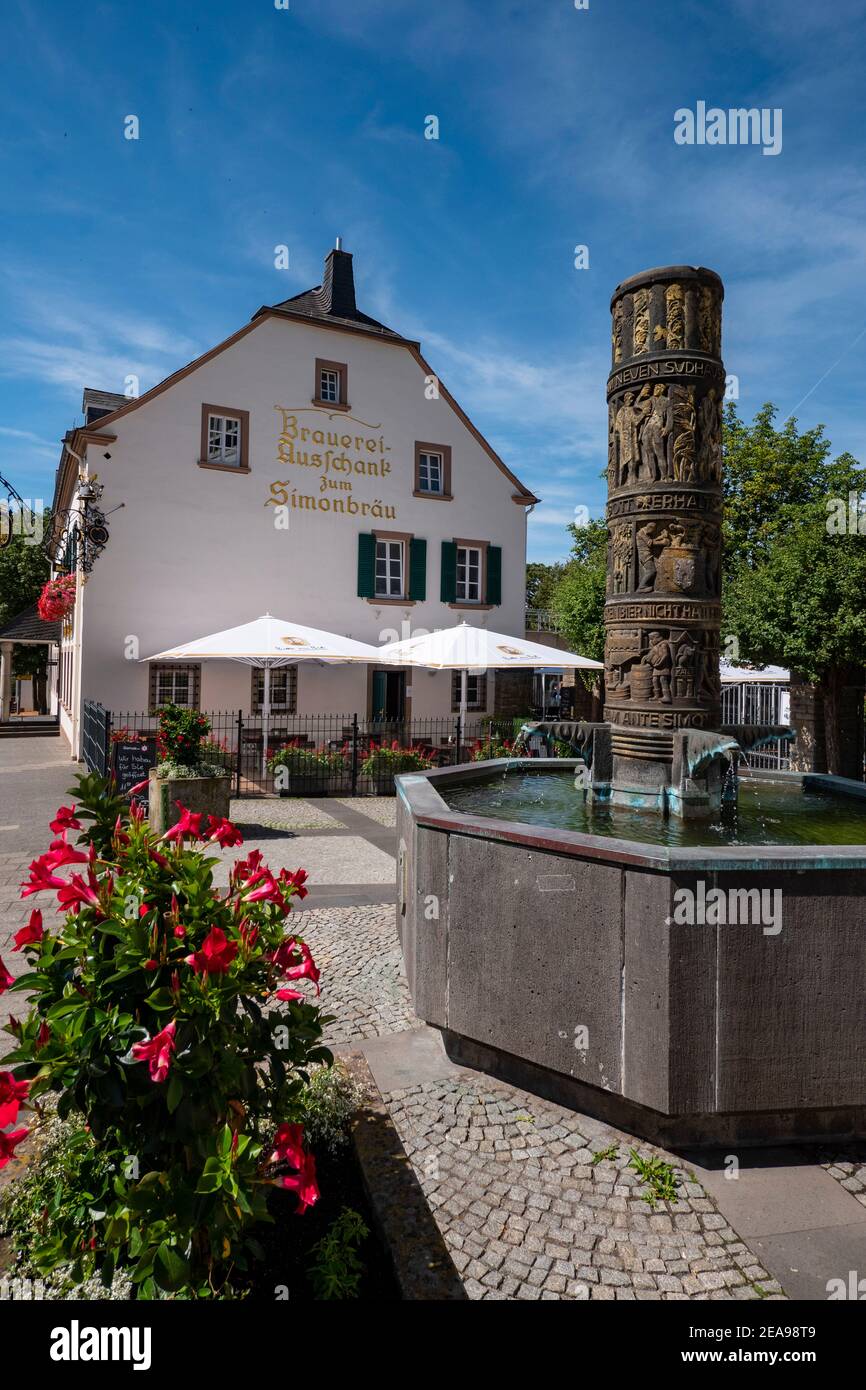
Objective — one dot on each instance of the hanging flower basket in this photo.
(57, 598)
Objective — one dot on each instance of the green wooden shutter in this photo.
(494, 574)
(366, 565)
(417, 569)
(448, 586)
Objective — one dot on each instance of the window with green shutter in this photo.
(417, 569)
(366, 565)
(494, 574)
(448, 584)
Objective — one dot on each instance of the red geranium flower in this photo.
(215, 955)
(64, 820)
(5, 978)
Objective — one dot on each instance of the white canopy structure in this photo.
(465, 648)
(267, 642)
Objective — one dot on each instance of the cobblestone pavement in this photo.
(528, 1210)
(848, 1167)
(283, 814)
(523, 1207)
(362, 982)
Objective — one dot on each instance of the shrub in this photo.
(305, 761)
(166, 1016)
(337, 1269)
(180, 735)
(329, 1103)
(492, 748)
(390, 760)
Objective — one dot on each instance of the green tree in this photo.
(541, 581)
(578, 598)
(795, 582)
(24, 568)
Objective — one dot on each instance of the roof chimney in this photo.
(337, 294)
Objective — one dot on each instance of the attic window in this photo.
(331, 385)
(225, 438)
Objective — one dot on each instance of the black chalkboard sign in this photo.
(131, 762)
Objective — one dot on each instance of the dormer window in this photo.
(331, 387)
(225, 438)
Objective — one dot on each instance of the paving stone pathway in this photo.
(532, 1201)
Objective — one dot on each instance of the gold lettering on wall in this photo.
(339, 459)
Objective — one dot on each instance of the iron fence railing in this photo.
(748, 703)
(96, 737)
(310, 754)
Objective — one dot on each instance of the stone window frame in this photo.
(471, 603)
(405, 538)
(156, 668)
(291, 707)
(480, 704)
(233, 414)
(323, 364)
(424, 447)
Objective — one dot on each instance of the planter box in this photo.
(308, 784)
(208, 794)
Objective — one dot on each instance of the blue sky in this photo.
(261, 126)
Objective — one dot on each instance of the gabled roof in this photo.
(329, 305)
(27, 626)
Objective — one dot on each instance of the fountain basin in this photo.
(563, 962)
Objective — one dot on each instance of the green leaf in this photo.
(170, 1270)
(174, 1094)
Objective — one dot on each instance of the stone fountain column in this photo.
(664, 513)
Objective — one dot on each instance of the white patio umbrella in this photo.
(465, 648)
(268, 642)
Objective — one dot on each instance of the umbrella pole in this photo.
(464, 696)
(266, 718)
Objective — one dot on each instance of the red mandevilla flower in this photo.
(215, 955)
(8, 1144)
(76, 894)
(294, 966)
(188, 827)
(61, 853)
(41, 879)
(32, 933)
(5, 978)
(12, 1095)
(157, 1051)
(303, 1183)
(226, 835)
(64, 820)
